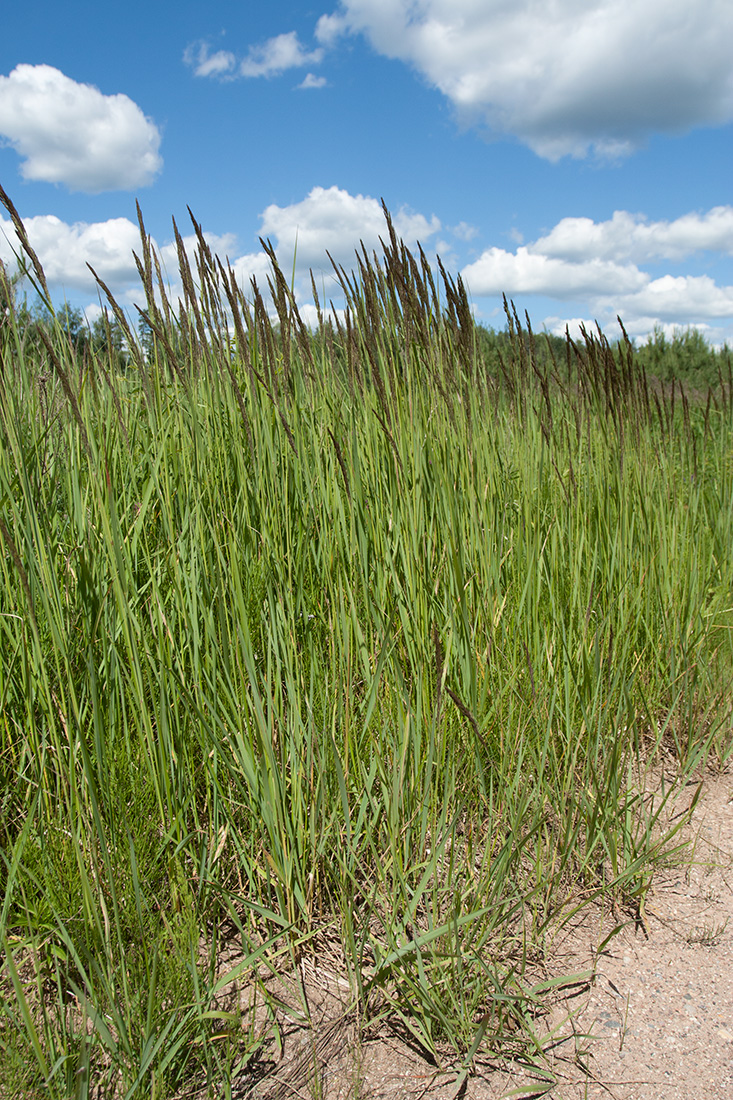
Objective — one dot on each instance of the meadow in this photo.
(384, 644)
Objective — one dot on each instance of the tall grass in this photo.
(334, 639)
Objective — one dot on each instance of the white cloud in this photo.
(205, 63)
(71, 133)
(278, 54)
(270, 58)
(565, 77)
(681, 299)
(638, 328)
(312, 81)
(600, 278)
(558, 326)
(328, 218)
(253, 265)
(64, 250)
(334, 220)
(631, 237)
(464, 231)
(330, 28)
(528, 272)
(598, 265)
(92, 312)
(309, 314)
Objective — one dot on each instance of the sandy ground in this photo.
(659, 1014)
(655, 1022)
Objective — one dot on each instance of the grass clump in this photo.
(341, 637)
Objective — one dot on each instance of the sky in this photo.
(575, 155)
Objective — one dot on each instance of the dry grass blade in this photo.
(302, 1075)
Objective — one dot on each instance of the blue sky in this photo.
(576, 155)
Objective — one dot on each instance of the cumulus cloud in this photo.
(64, 250)
(625, 265)
(278, 54)
(602, 264)
(332, 219)
(328, 218)
(73, 134)
(639, 328)
(312, 81)
(270, 58)
(690, 297)
(330, 28)
(628, 236)
(205, 63)
(252, 265)
(565, 78)
(573, 326)
(528, 272)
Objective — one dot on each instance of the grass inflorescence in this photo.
(355, 641)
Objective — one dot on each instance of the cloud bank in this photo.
(566, 78)
(327, 219)
(625, 265)
(72, 134)
(631, 237)
(600, 263)
(64, 250)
